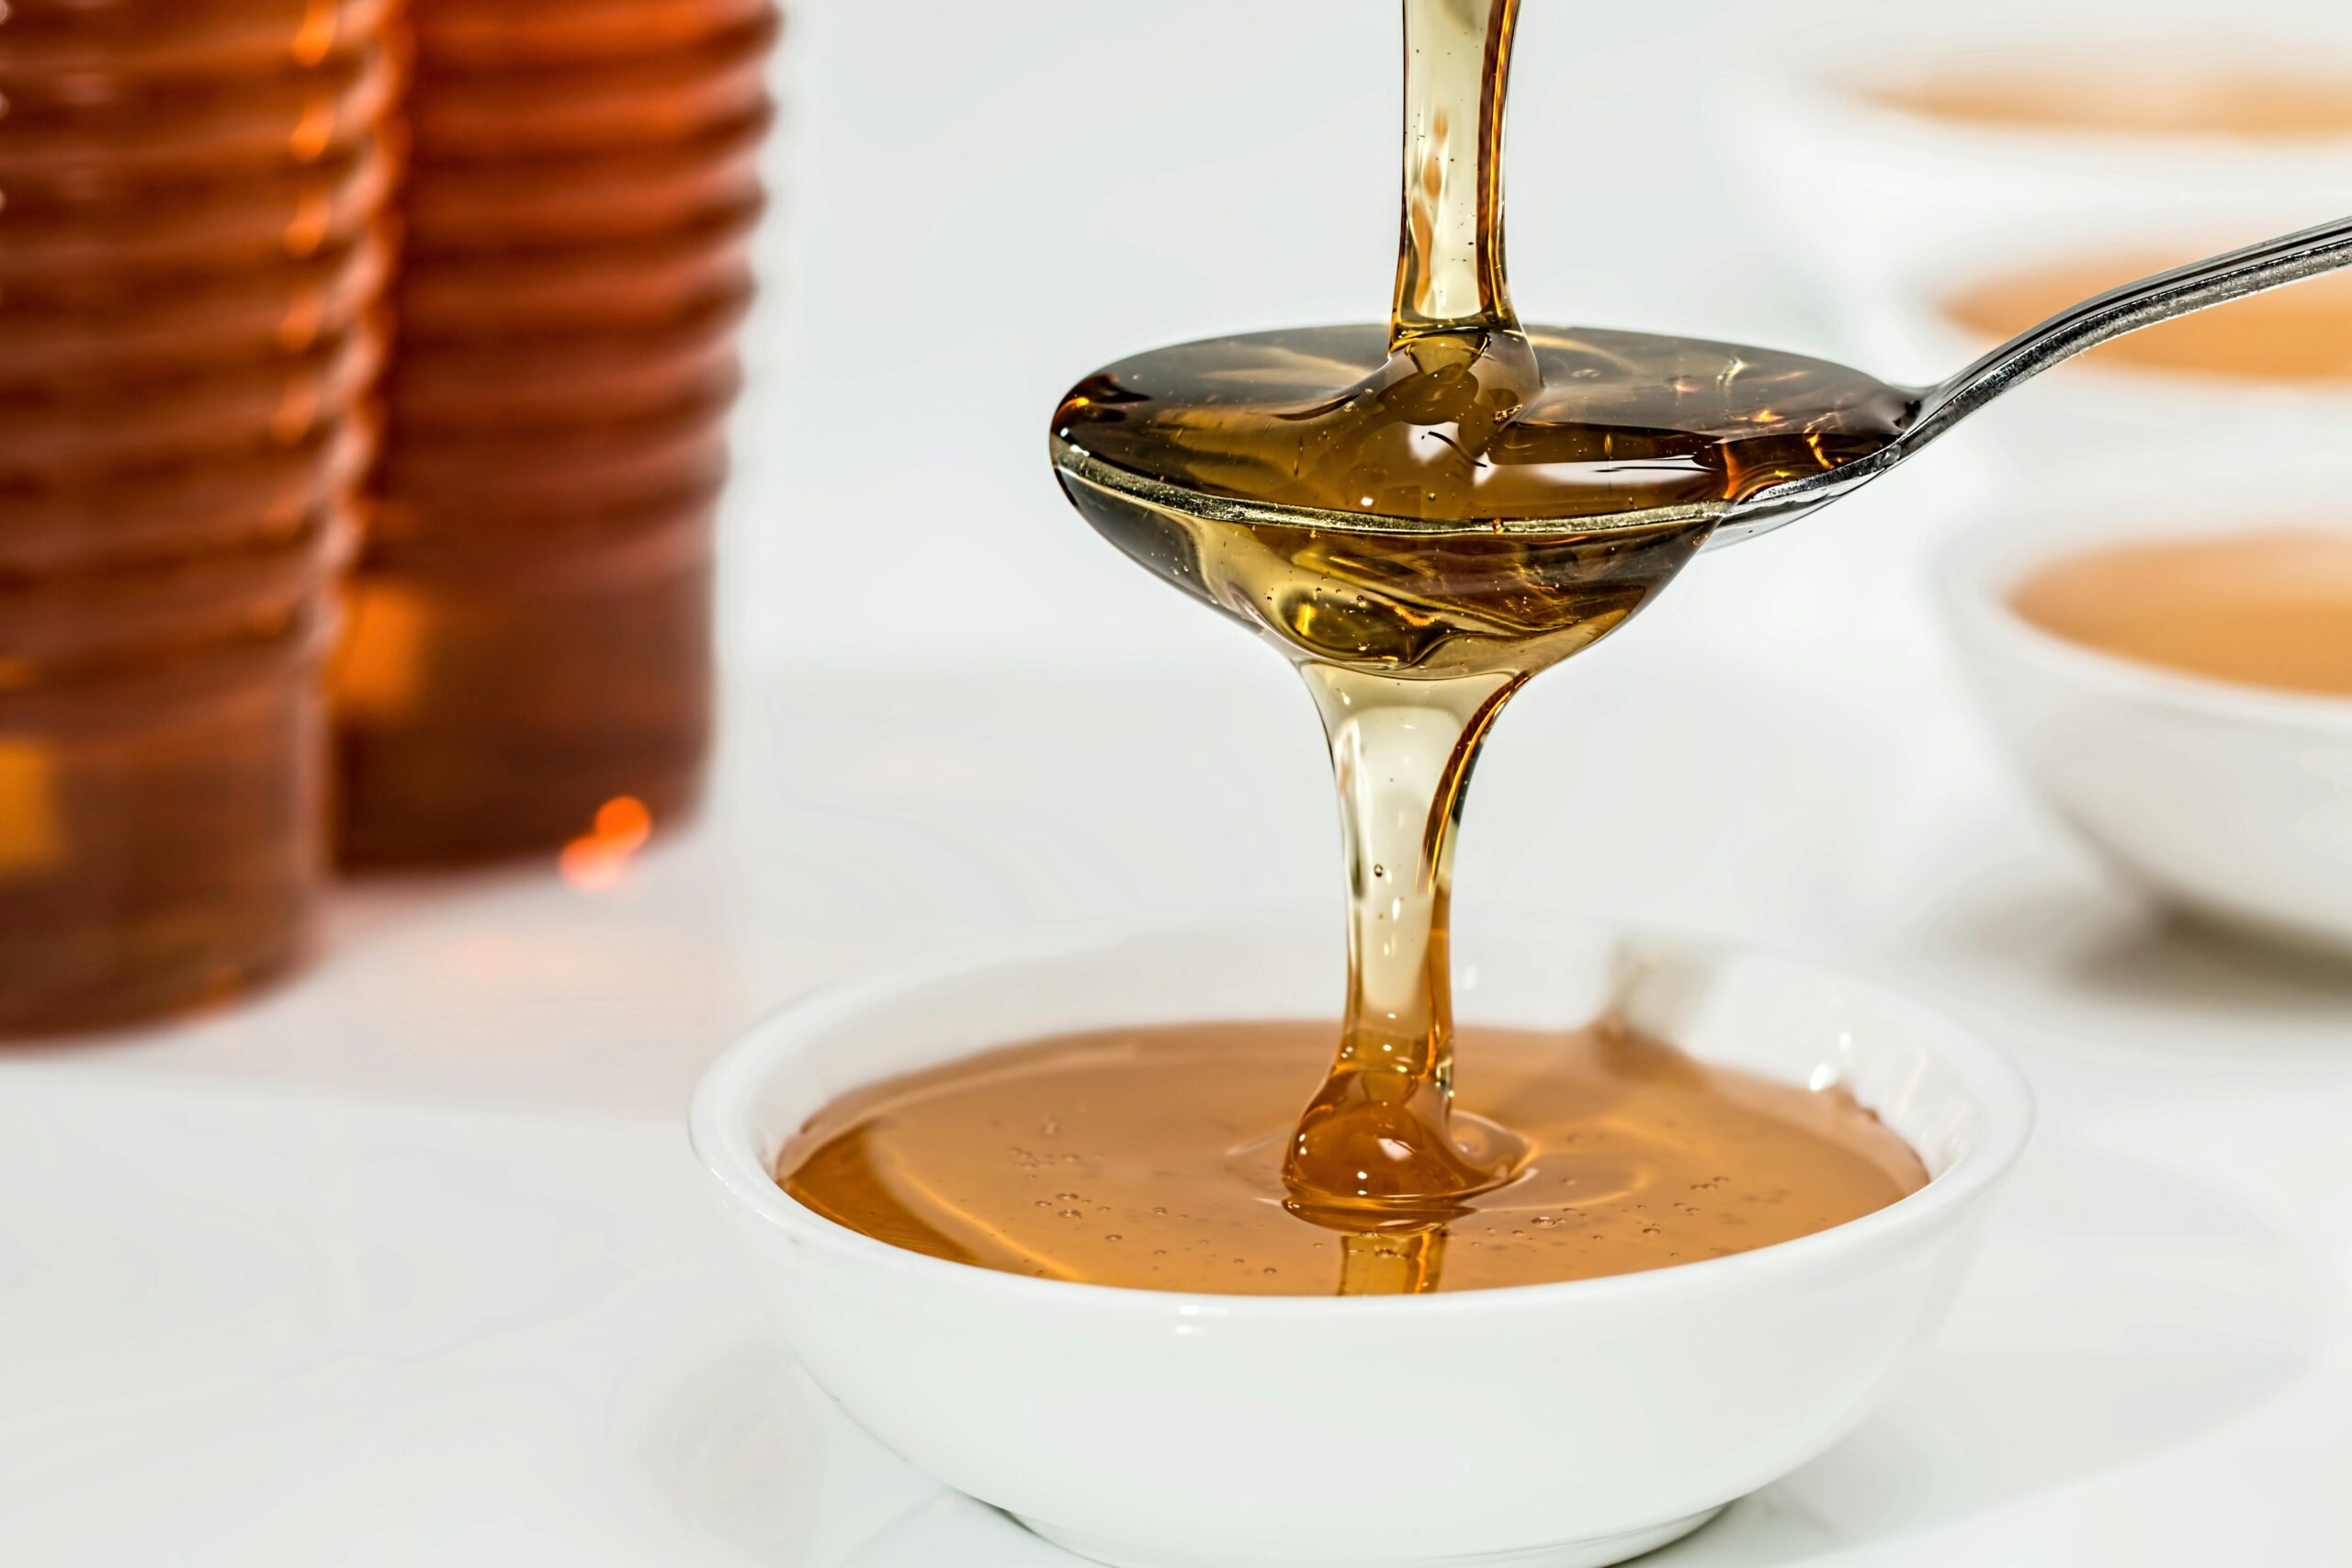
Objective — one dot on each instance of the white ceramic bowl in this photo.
(1861, 192)
(1538, 1426)
(2223, 800)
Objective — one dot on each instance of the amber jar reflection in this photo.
(531, 618)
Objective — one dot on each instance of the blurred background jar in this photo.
(191, 260)
(531, 615)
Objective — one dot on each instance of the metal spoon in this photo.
(2213, 281)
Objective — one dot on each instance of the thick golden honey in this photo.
(2264, 608)
(1152, 1158)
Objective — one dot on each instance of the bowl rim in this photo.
(720, 1135)
(1979, 569)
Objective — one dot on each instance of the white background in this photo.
(405, 1261)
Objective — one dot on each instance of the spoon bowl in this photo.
(1633, 433)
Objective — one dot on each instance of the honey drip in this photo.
(2115, 95)
(1424, 518)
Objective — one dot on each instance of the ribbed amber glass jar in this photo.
(530, 633)
(191, 265)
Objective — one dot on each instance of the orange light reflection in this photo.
(598, 859)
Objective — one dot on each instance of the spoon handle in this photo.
(2213, 281)
(2247, 270)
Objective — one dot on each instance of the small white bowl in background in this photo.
(2226, 801)
(2090, 412)
(1537, 1427)
(1860, 194)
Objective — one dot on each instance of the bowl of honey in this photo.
(1932, 127)
(1023, 1214)
(2168, 656)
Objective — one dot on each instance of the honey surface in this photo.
(1152, 1158)
(2269, 608)
(2147, 97)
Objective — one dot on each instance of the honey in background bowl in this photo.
(2168, 95)
(2269, 608)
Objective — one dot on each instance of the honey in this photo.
(1421, 515)
(1152, 1158)
(2269, 607)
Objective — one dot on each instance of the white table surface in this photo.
(406, 1261)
